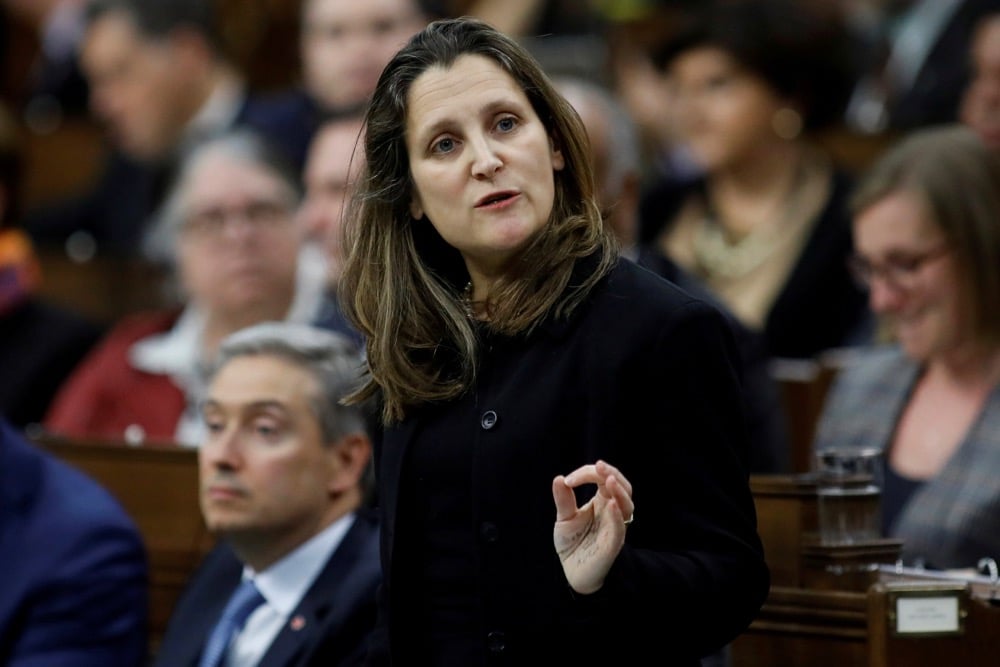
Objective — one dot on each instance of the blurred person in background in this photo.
(632, 32)
(766, 226)
(73, 585)
(980, 108)
(343, 46)
(615, 156)
(927, 239)
(285, 477)
(228, 228)
(160, 82)
(332, 166)
(40, 342)
(915, 65)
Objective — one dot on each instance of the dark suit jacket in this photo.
(339, 608)
(644, 376)
(73, 570)
(291, 115)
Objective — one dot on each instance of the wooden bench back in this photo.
(158, 487)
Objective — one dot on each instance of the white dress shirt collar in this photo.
(286, 582)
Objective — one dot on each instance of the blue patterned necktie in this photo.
(244, 600)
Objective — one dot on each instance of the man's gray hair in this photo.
(331, 358)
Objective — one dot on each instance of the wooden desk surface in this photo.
(802, 624)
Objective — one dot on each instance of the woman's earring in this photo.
(787, 123)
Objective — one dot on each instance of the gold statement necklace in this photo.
(719, 255)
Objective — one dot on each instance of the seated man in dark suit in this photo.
(73, 567)
(284, 477)
(615, 154)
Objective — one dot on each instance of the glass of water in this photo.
(849, 495)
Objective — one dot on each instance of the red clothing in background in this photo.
(105, 394)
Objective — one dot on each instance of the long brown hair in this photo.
(402, 284)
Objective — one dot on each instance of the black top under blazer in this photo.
(641, 375)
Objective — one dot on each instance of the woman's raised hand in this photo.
(588, 538)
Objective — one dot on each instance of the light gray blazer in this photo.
(953, 520)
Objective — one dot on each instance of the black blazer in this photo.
(339, 607)
(645, 377)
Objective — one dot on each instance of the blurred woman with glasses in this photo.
(228, 230)
(927, 241)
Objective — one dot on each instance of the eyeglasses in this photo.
(899, 271)
(257, 215)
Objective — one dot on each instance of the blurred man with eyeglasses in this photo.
(229, 230)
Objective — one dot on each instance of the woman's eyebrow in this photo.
(487, 109)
